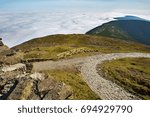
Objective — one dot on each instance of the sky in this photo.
(21, 20)
(97, 5)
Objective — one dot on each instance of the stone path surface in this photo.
(106, 89)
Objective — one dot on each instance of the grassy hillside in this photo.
(74, 45)
(134, 30)
(131, 73)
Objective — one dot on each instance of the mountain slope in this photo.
(75, 45)
(134, 30)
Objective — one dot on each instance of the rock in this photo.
(11, 75)
(65, 92)
(51, 95)
(29, 67)
(7, 89)
(17, 82)
(10, 68)
(38, 76)
(23, 90)
(34, 96)
(47, 89)
(61, 91)
(46, 85)
(33, 86)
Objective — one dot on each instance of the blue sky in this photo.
(22, 20)
(100, 5)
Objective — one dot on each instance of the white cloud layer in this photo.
(16, 28)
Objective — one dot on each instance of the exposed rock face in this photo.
(17, 84)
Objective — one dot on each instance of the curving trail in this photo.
(104, 88)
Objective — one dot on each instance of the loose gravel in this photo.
(106, 89)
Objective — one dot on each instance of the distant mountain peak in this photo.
(134, 29)
(130, 17)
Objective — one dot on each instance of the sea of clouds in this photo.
(18, 27)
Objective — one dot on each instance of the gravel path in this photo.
(104, 88)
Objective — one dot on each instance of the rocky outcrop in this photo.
(18, 84)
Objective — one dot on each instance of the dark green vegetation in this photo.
(132, 30)
(68, 46)
(131, 73)
(72, 77)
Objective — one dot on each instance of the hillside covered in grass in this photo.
(75, 45)
(133, 74)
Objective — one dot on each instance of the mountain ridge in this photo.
(131, 17)
(133, 30)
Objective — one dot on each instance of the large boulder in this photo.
(22, 90)
(50, 89)
(59, 91)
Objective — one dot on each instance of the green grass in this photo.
(112, 29)
(46, 52)
(131, 73)
(72, 77)
(50, 46)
